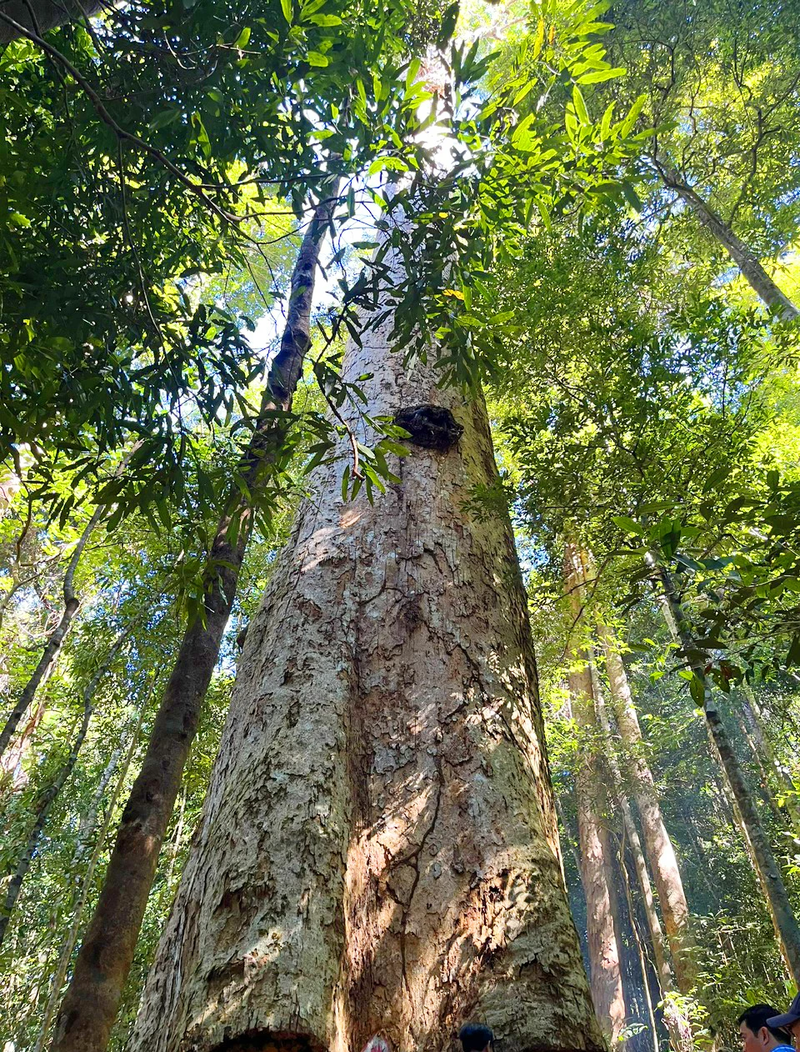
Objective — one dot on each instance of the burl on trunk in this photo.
(378, 851)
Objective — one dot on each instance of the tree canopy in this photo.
(593, 210)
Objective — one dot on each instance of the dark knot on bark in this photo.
(430, 426)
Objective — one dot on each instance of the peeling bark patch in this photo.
(430, 426)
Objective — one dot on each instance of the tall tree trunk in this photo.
(378, 851)
(65, 955)
(658, 845)
(761, 853)
(59, 974)
(640, 949)
(680, 1030)
(57, 636)
(51, 794)
(749, 265)
(102, 966)
(595, 844)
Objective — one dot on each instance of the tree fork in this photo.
(90, 1006)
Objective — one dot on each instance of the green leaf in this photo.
(633, 115)
(579, 103)
(697, 689)
(316, 58)
(598, 76)
(287, 8)
(539, 39)
(627, 524)
(323, 20)
(449, 19)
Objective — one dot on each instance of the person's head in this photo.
(476, 1038)
(757, 1032)
(789, 1020)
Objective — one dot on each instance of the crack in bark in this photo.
(414, 857)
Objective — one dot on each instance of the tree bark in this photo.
(90, 1006)
(762, 747)
(680, 1030)
(13, 776)
(657, 842)
(750, 267)
(595, 844)
(640, 950)
(761, 853)
(57, 636)
(72, 936)
(64, 957)
(378, 851)
(763, 785)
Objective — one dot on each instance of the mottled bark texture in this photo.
(378, 851)
(595, 845)
(595, 855)
(674, 1014)
(657, 843)
(104, 960)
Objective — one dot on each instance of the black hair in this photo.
(756, 1016)
(475, 1037)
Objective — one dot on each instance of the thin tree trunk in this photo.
(750, 267)
(51, 794)
(595, 846)
(57, 636)
(639, 946)
(763, 786)
(762, 746)
(176, 844)
(65, 956)
(88, 821)
(658, 845)
(567, 835)
(13, 776)
(378, 851)
(680, 1030)
(761, 853)
(90, 1006)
